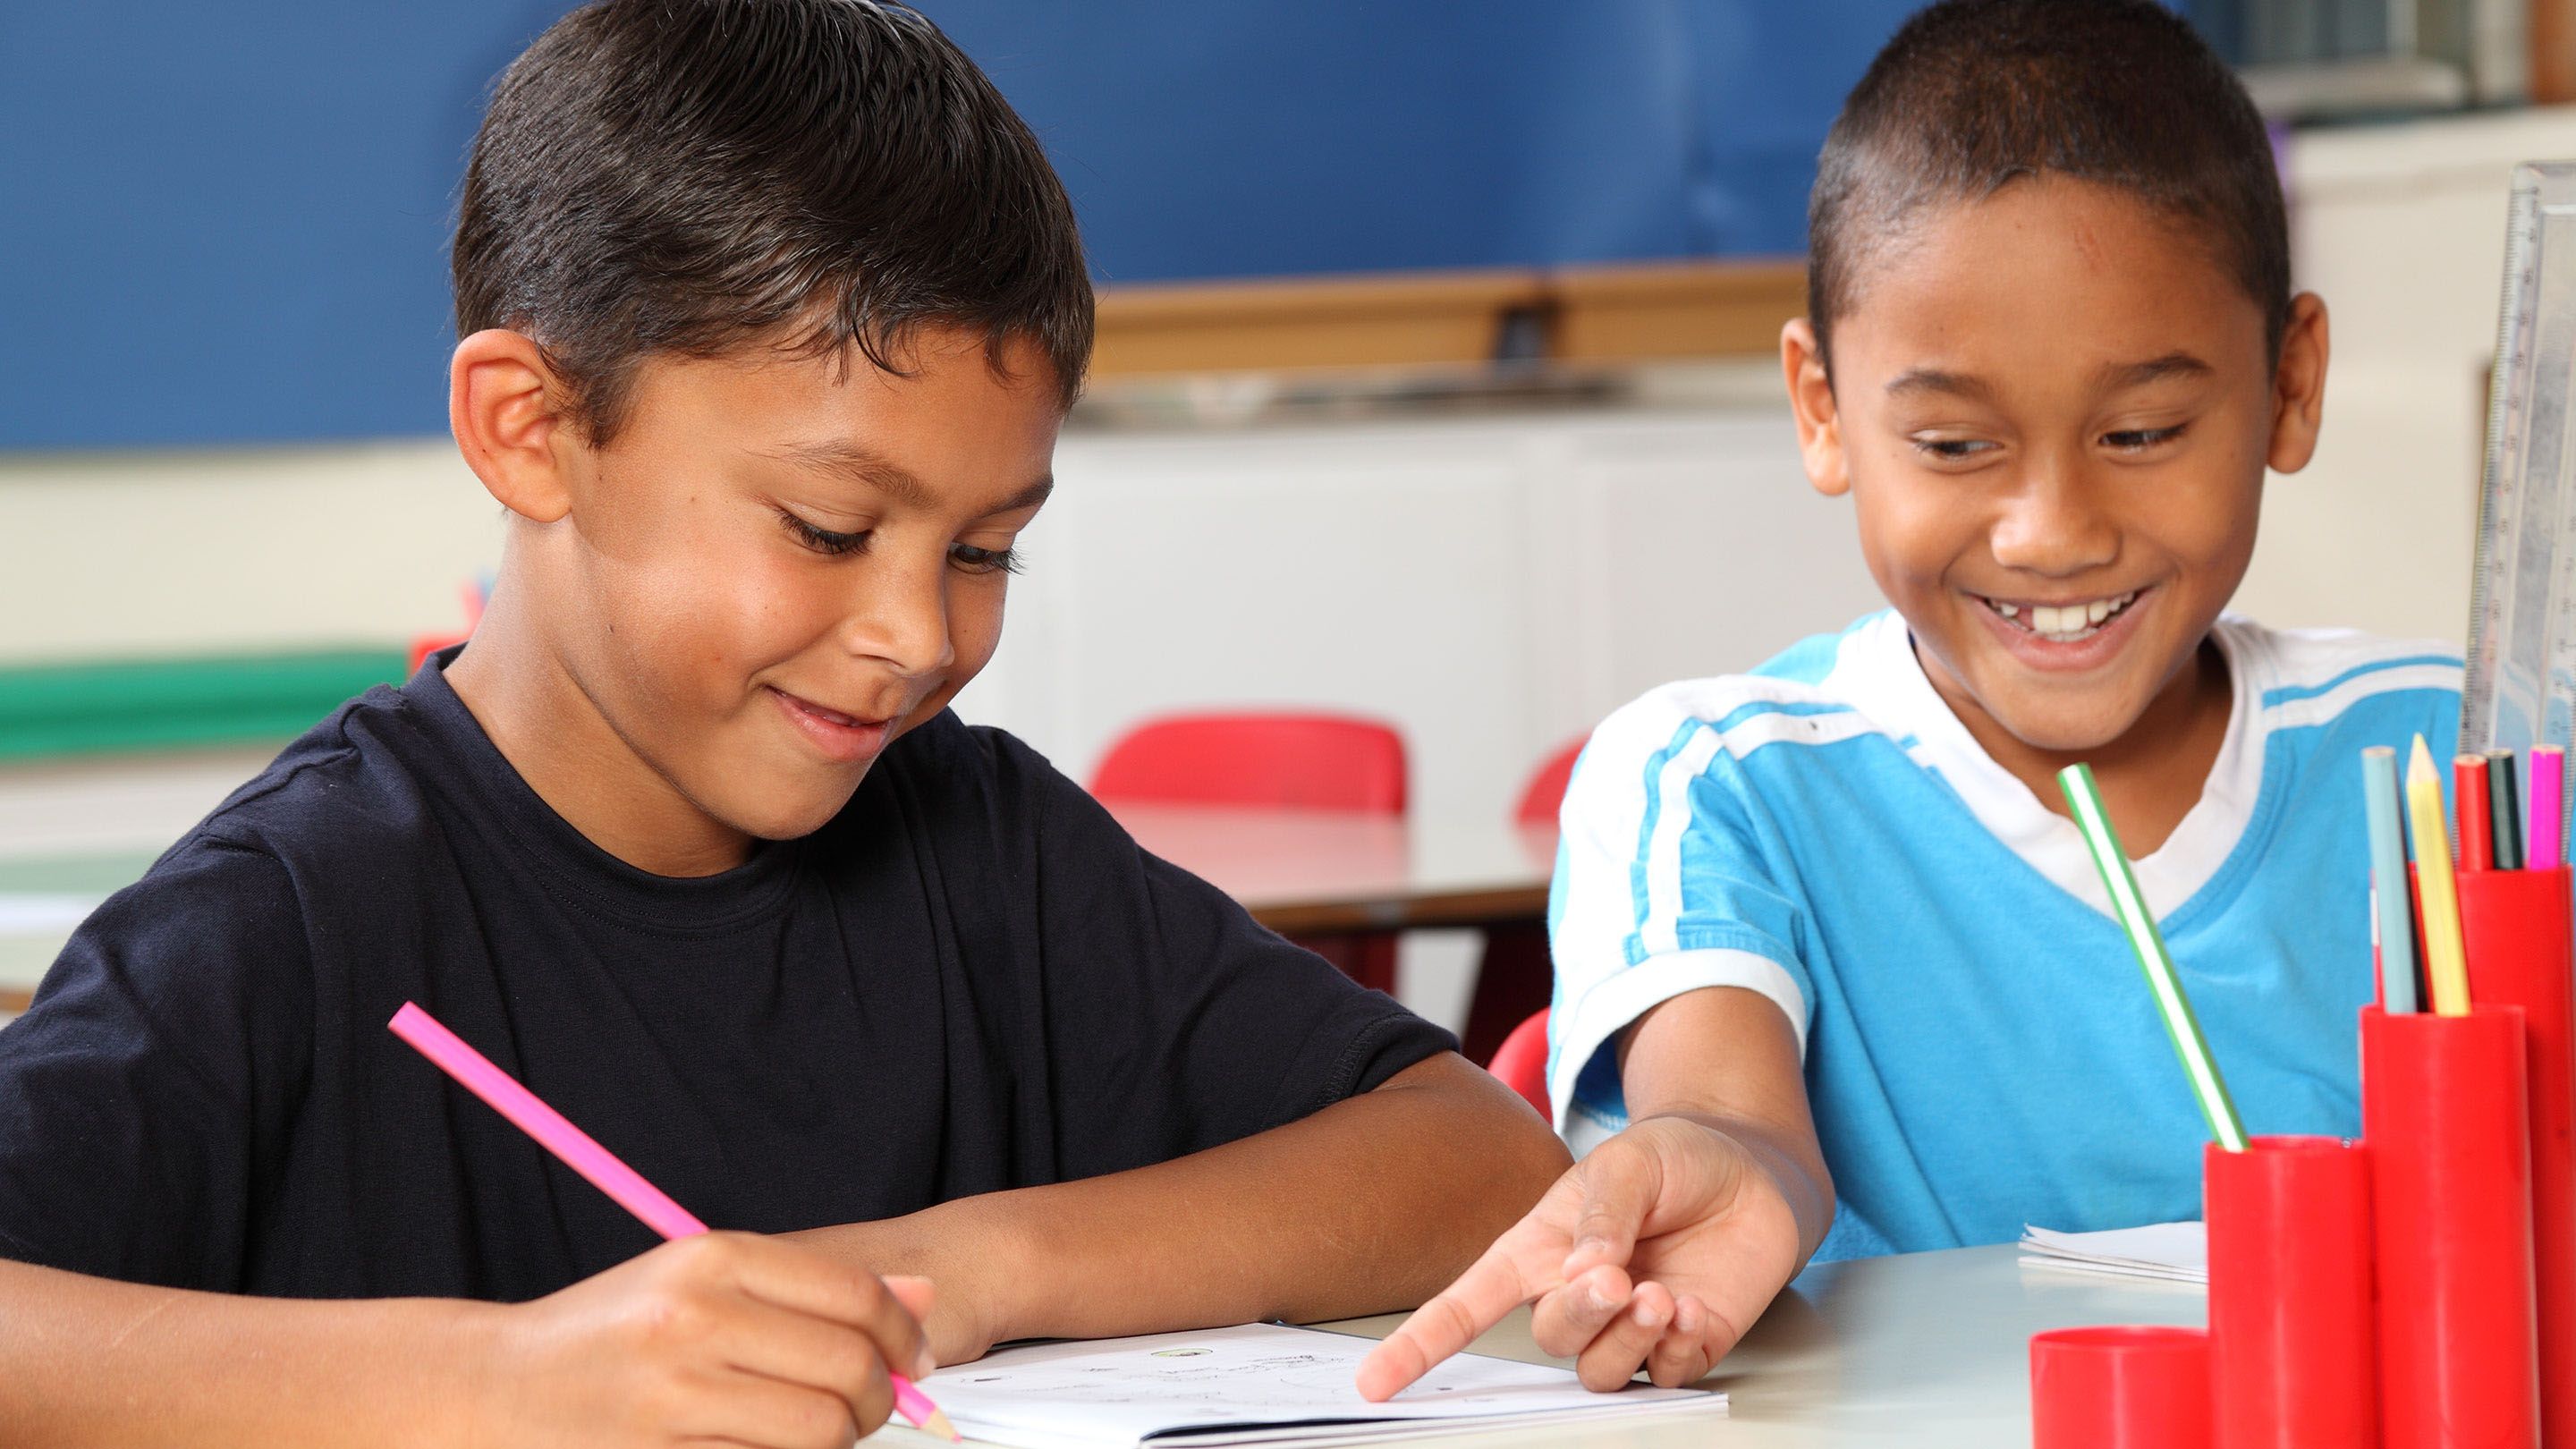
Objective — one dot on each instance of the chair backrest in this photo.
(1546, 789)
(1521, 1062)
(1323, 761)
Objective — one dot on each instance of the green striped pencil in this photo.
(2085, 799)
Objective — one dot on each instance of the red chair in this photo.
(1546, 789)
(1514, 978)
(1521, 1061)
(1317, 761)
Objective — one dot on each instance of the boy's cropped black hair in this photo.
(689, 176)
(1971, 95)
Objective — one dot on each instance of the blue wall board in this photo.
(228, 222)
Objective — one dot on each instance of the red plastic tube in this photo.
(2450, 1165)
(2293, 1345)
(2517, 924)
(2119, 1388)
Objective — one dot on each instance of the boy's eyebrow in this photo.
(2111, 377)
(2114, 376)
(857, 464)
(1934, 380)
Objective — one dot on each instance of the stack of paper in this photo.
(2174, 1252)
(1259, 1384)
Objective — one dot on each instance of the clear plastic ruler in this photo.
(2521, 685)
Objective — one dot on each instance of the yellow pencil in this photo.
(2446, 958)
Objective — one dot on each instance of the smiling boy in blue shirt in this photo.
(1834, 972)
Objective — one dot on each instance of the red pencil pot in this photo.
(2293, 1347)
(2450, 1165)
(2517, 924)
(2119, 1388)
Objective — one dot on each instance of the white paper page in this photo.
(1124, 1391)
(2176, 1251)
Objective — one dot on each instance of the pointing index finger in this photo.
(1487, 1291)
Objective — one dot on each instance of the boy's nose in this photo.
(2052, 525)
(901, 619)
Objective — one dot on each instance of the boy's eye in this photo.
(2139, 440)
(821, 540)
(1952, 450)
(975, 560)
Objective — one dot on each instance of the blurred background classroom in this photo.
(1436, 394)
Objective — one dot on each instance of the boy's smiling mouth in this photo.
(2061, 623)
(846, 738)
(2067, 634)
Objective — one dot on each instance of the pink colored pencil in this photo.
(2547, 806)
(475, 1072)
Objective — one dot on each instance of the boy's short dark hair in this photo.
(1971, 94)
(688, 176)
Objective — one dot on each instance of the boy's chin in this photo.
(786, 816)
(2059, 730)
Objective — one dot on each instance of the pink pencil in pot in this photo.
(475, 1072)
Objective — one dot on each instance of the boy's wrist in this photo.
(974, 1252)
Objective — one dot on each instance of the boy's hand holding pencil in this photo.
(716, 1338)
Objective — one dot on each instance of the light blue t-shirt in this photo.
(1981, 1048)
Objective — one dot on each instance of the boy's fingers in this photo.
(806, 1352)
(764, 1411)
(1569, 1318)
(1620, 1181)
(1685, 1354)
(803, 1281)
(1480, 1298)
(1612, 1359)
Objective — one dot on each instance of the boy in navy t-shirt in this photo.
(770, 313)
(1834, 974)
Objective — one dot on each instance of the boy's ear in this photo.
(1811, 400)
(505, 406)
(2299, 386)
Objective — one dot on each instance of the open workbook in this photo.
(1259, 1384)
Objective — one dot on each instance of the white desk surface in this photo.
(1924, 1350)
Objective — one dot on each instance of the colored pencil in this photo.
(2393, 912)
(2476, 815)
(2504, 792)
(2130, 904)
(2544, 808)
(2446, 967)
(575, 1148)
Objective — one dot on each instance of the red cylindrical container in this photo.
(2119, 1388)
(2293, 1347)
(2450, 1165)
(2517, 923)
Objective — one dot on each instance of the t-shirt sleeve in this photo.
(1174, 1021)
(1665, 884)
(144, 1094)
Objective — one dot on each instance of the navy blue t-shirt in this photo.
(970, 980)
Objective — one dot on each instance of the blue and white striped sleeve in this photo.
(1661, 888)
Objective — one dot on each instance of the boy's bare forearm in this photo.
(92, 1361)
(1370, 1205)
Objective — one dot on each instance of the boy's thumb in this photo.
(1618, 1188)
(915, 1294)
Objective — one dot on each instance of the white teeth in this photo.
(2064, 623)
